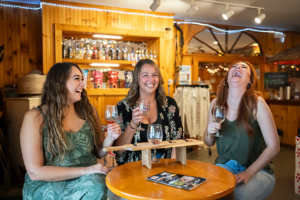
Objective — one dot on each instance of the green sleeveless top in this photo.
(79, 154)
(237, 145)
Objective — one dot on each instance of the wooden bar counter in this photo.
(286, 114)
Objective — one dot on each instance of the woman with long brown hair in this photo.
(250, 139)
(147, 84)
(61, 140)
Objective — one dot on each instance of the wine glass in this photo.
(144, 106)
(154, 135)
(219, 114)
(111, 114)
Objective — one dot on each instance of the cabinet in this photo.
(16, 109)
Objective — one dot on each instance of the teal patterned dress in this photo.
(79, 154)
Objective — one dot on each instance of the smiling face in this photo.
(75, 85)
(239, 74)
(148, 80)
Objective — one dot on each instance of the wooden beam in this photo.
(216, 40)
(206, 44)
(237, 39)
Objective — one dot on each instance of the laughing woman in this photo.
(250, 139)
(62, 139)
(147, 84)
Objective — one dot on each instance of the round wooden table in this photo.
(129, 181)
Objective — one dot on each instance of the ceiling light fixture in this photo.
(107, 36)
(260, 17)
(215, 42)
(104, 65)
(155, 5)
(228, 13)
(192, 9)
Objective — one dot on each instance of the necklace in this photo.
(233, 107)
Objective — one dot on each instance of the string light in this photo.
(229, 31)
(83, 8)
(22, 7)
(104, 10)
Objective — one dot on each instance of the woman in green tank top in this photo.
(62, 139)
(249, 137)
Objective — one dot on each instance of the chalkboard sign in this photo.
(275, 80)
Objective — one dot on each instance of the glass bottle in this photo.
(132, 55)
(118, 54)
(64, 51)
(70, 52)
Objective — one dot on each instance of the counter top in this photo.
(292, 102)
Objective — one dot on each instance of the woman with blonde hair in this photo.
(250, 139)
(61, 140)
(147, 85)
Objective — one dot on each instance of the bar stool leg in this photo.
(146, 158)
(181, 154)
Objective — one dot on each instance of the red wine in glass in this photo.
(110, 121)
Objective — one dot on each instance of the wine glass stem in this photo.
(154, 156)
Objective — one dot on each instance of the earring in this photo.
(249, 85)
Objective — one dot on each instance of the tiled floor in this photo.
(284, 171)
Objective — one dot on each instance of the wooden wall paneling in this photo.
(287, 119)
(17, 70)
(24, 41)
(2, 71)
(8, 63)
(39, 39)
(32, 37)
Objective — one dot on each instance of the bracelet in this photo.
(131, 126)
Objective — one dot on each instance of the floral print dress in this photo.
(171, 125)
(79, 154)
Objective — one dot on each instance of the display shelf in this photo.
(107, 91)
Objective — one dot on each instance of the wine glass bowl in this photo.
(144, 106)
(219, 114)
(111, 114)
(154, 136)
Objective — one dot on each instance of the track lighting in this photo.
(155, 5)
(228, 13)
(260, 17)
(192, 9)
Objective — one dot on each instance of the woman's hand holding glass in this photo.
(113, 131)
(137, 117)
(213, 128)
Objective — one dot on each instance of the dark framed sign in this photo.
(275, 80)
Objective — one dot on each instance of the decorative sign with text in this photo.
(275, 80)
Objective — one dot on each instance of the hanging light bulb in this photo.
(155, 5)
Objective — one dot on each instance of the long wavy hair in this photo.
(248, 104)
(134, 92)
(55, 96)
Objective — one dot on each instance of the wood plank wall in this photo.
(21, 33)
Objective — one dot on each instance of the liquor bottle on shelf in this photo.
(138, 55)
(125, 56)
(64, 51)
(112, 52)
(154, 56)
(81, 51)
(118, 53)
(132, 55)
(151, 56)
(100, 52)
(142, 54)
(146, 54)
(88, 52)
(123, 53)
(84, 52)
(94, 52)
(70, 52)
(106, 53)
(77, 51)
(103, 53)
